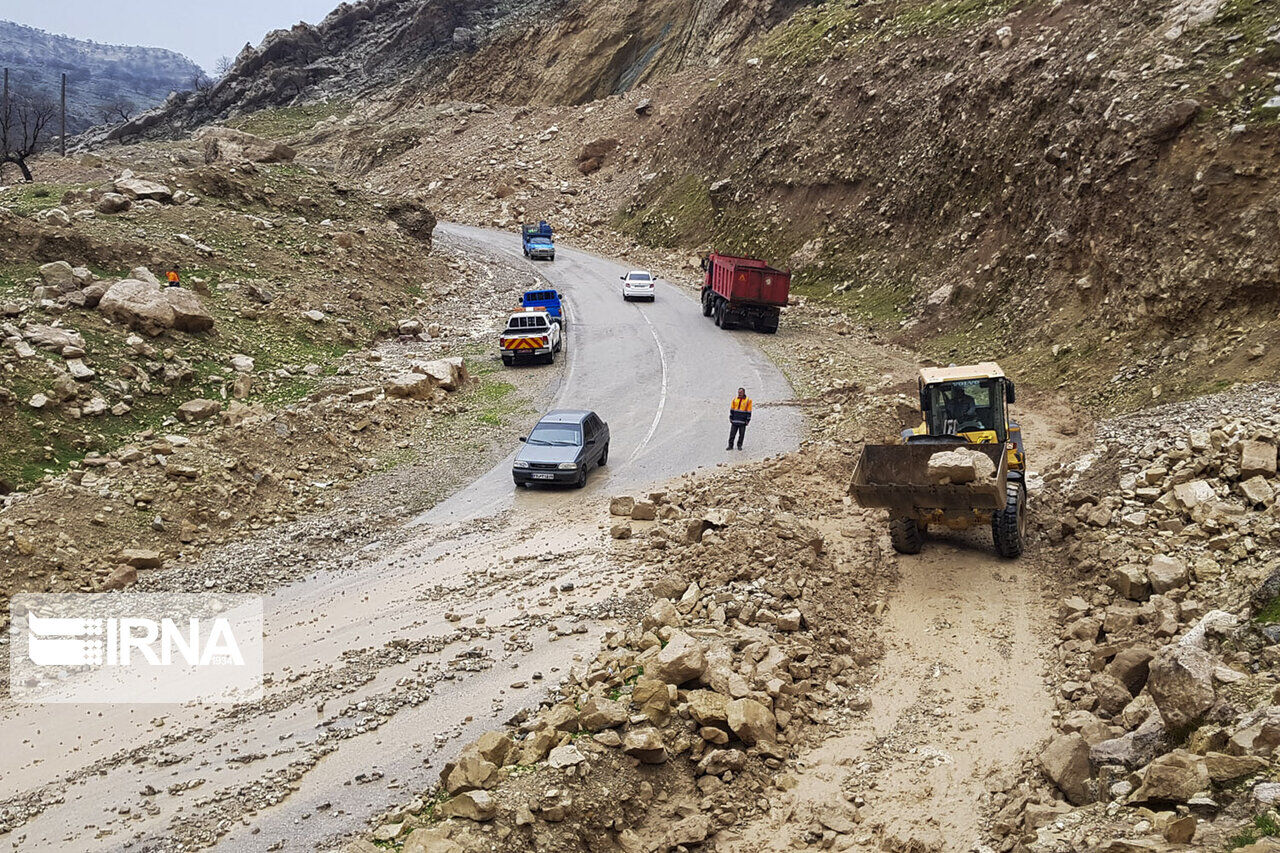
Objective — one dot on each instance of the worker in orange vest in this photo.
(739, 417)
(171, 277)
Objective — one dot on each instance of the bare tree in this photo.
(200, 82)
(23, 129)
(117, 110)
(223, 65)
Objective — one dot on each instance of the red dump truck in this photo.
(743, 292)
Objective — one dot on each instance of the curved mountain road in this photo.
(380, 672)
(659, 373)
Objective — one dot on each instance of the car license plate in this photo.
(543, 476)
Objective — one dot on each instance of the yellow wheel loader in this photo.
(962, 408)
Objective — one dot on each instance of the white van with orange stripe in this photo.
(531, 334)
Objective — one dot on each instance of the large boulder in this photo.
(1256, 457)
(708, 708)
(225, 143)
(599, 713)
(1173, 778)
(653, 699)
(472, 805)
(682, 659)
(136, 188)
(1167, 573)
(410, 386)
(751, 721)
(1066, 763)
(189, 314)
(448, 373)
(645, 744)
(198, 410)
(468, 773)
(151, 309)
(139, 305)
(960, 466)
(58, 274)
(1180, 681)
(114, 203)
(1132, 749)
(53, 337)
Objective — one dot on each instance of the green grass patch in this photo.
(1263, 826)
(1270, 612)
(840, 27)
(680, 215)
(283, 122)
(26, 199)
(492, 398)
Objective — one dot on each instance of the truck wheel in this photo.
(508, 360)
(717, 313)
(906, 535)
(1009, 524)
(551, 356)
(706, 305)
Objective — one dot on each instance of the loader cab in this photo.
(970, 402)
(973, 408)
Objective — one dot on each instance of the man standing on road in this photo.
(739, 417)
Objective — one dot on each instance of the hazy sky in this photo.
(201, 30)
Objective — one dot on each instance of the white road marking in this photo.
(662, 394)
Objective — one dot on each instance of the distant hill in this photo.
(99, 76)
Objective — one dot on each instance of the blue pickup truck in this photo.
(547, 300)
(538, 244)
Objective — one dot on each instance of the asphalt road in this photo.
(380, 673)
(659, 373)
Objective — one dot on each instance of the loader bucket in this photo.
(896, 477)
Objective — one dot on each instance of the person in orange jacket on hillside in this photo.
(739, 417)
(171, 277)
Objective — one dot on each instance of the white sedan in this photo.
(637, 284)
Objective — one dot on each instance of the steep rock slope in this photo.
(359, 48)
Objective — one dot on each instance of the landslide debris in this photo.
(1167, 695)
(754, 640)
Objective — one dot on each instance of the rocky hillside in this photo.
(105, 83)
(941, 169)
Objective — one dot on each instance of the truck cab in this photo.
(547, 300)
(537, 241)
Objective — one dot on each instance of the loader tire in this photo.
(1009, 524)
(906, 535)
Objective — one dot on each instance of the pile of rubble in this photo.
(682, 726)
(1169, 705)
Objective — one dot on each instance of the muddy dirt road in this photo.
(960, 698)
(462, 618)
